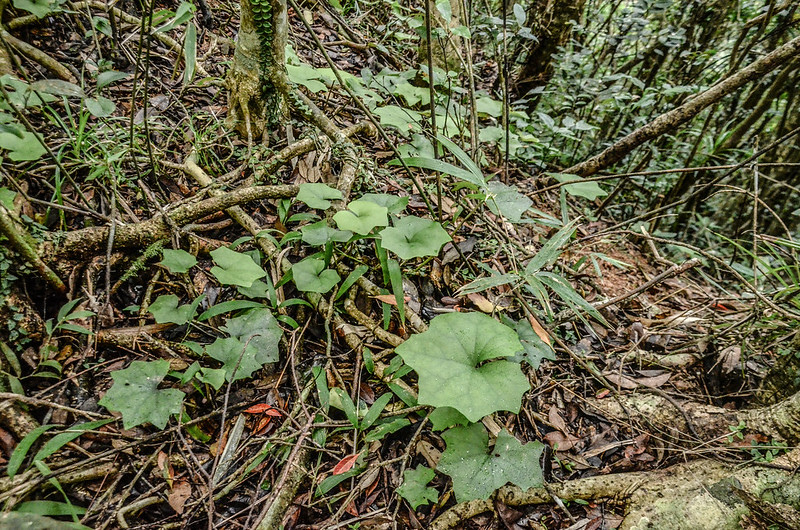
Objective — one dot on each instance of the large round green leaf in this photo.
(414, 237)
(460, 363)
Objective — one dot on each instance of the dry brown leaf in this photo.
(180, 493)
(429, 452)
(390, 299)
(540, 331)
(483, 304)
(629, 383)
(559, 441)
(556, 420)
(730, 358)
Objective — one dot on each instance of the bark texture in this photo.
(551, 24)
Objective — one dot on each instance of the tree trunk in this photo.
(446, 51)
(551, 25)
(257, 81)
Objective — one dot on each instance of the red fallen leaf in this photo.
(603, 393)
(351, 509)
(262, 425)
(345, 464)
(263, 408)
(721, 307)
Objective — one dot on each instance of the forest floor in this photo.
(671, 329)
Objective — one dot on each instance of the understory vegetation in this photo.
(380, 264)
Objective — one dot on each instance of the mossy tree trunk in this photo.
(447, 47)
(257, 83)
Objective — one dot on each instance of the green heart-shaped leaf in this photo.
(460, 364)
(166, 309)
(393, 203)
(319, 233)
(234, 268)
(178, 261)
(317, 195)
(414, 237)
(310, 275)
(361, 217)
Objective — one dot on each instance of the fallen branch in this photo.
(20, 242)
(38, 56)
(781, 420)
(680, 115)
(682, 496)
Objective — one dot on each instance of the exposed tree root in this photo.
(24, 483)
(90, 241)
(781, 420)
(21, 242)
(701, 495)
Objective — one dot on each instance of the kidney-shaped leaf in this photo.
(459, 363)
(393, 203)
(317, 195)
(477, 471)
(178, 261)
(234, 268)
(319, 233)
(136, 395)
(310, 275)
(361, 217)
(414, 237)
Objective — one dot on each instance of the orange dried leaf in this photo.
(389, 298)
(540, 331)
(258, 409)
